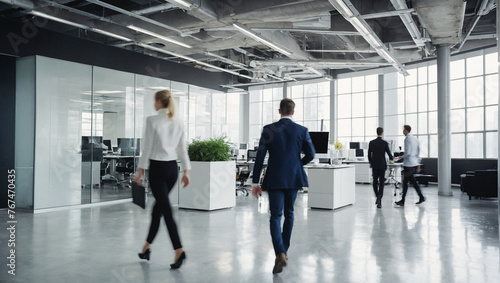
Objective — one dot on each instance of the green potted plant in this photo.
(215, 149)
(212, 183)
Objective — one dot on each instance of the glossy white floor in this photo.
(445, 239)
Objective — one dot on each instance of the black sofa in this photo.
(480, 183)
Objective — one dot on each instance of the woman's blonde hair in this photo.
(165, 97)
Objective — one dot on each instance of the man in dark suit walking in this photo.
(285, 175)
(376, 156)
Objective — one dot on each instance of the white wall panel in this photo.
(62, 93)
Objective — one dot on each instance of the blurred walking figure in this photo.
(411, 165)
(164, 143)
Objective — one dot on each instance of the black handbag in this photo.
(138, 195)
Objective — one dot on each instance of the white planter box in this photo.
(212, 186)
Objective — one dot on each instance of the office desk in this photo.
(331, 186)
(363, 171)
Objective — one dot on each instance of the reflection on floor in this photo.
(106, 192)
(445, 239)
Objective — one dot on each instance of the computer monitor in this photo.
(354, 145)
(320, 141)
(251, 154)
(243, 146)
(108, 144)
(91, 148)
(360, 152)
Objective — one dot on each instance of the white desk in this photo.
(331, 186)
(363, 171)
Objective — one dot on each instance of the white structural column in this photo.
(444, 131)
(245, 118)
(381, 101)
(498, 51)
(333, 109)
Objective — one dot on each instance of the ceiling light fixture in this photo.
(110, 34)
(346, 11)
(107, 33)
(243, 29)
(183, 3)
(43, 15)
(145, 31)
(192, 60)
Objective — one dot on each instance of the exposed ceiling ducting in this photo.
(262, 41)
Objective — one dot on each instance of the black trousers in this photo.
(378, 182)
(162, 178)
(408, 177)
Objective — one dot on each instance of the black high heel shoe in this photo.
(145, 255)
(179, 261)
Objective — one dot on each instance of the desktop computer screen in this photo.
(360, 152)
(108, 144)
(354, 145)
(251, 155)
(320, 141)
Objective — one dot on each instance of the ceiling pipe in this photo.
(342, 51)
(484, 9)
(195, 9)
(154, 9)
(229, 61)
(316, 31)
(134, 15)
(25, 4)
(257, 37)
(201, 63)
(257, 83)
(351, 14)
(321, 62)
(396, 13)
(80, 12)
(410, 25)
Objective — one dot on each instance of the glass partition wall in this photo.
(89, 124)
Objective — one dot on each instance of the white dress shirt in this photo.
(412, 151)
(164, 140)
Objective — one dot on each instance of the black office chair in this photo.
(126, 167)
(241, 178)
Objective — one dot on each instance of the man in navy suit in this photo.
(376, 156)
(285, 175)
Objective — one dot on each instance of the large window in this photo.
(474, 105)
(357, 108)
(412, 100)
(213, 114)
(264, 106)
(312, 105)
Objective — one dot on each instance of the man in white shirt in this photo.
(411, 165)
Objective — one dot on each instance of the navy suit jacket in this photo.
(285, 140)
(376, 154)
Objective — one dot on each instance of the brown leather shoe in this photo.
(279, 263)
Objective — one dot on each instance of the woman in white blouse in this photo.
(163, 144)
